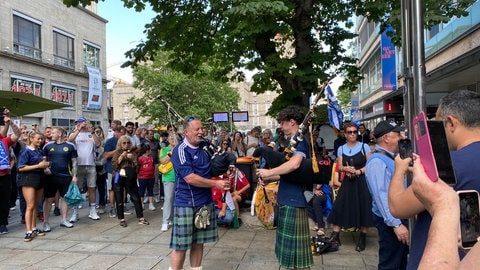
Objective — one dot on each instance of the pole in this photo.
(419, 56)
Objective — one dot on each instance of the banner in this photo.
(94, 88)
(389, 75)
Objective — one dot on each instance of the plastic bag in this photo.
(73, 197)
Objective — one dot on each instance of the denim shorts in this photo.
(34, 180)
(88, 173)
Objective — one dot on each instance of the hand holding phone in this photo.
(405, 149)
(432, 147)
(469, 217)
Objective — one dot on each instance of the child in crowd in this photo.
(146, 174)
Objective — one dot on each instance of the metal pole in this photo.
(419, 55)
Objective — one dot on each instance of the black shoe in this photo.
(335, 238)
(361, 242)
(56, 211)
(28, 237)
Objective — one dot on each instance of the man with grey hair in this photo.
(460, 113)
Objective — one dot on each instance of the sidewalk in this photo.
(104, 244)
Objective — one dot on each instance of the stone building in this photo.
(58, 53)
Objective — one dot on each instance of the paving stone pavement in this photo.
(103, 244)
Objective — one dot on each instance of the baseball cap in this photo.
(385, 127)
(81, 119)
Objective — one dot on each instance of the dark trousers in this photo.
(102, 188)
(129, 184)
(13, 189)
(315, 208)
(5, 189)
(392, 253)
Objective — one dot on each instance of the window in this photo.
(67, 124)
(433, 31)
(26, 85)
(91, 55)
(63, 95)
(26, 36)
(63, 49)
(84, 98)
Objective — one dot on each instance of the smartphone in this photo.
(469, 217)
(433, 149)
(405, 149)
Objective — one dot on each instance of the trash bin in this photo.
(247, 166)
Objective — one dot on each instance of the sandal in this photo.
(143, 221)
(123, 223)
(321, 232)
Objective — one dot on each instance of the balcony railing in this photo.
(64, 62)
(27, 51)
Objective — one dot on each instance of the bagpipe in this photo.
(308, 172)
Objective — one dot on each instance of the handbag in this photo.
(73, 197)
(165, 168)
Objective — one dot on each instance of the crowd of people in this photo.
(133, 164)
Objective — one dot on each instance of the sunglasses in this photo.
(190, 119)
(351, 132)
(126, 143)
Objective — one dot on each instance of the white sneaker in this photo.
(151, 207)
(46, 227)
(74, 218)
(65, 223)
(164, 227)
(145, 200)
(93, 214)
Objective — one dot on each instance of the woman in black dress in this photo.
(352, 207)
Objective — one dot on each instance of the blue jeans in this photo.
(392, 254)
(227, 219)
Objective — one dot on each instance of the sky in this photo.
(124, 28)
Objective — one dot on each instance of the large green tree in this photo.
(293, 45)
(187, 95)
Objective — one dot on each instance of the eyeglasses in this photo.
(351, 132)
(126, 143)
(190, 119)
(224, 143)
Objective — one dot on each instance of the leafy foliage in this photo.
(186, 94)
(291, 44)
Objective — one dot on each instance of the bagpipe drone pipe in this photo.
(303, 175)
(308, 173)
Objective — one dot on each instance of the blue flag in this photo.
(335, 114)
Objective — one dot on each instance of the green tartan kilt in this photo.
(292, 247)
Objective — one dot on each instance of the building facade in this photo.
(57, 53)
(452, 62)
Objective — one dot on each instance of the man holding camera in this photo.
(392, 232)
(460, 113)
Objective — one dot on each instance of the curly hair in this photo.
(291, 112)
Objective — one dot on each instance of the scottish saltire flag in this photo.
(335, 114)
